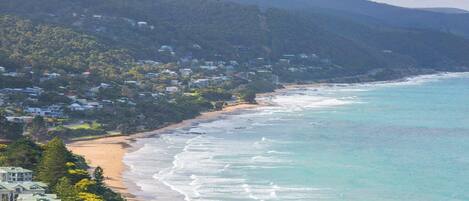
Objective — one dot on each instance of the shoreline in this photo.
(108, 152)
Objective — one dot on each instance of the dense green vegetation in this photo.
(232, 31)
(9, 130)
(64, 172)
(45, 47)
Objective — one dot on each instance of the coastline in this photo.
(108, 152)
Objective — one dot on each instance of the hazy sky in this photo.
(464, 4)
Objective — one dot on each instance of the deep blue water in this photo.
(404, 141)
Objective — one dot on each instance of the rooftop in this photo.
(37, 197)
(14, 170)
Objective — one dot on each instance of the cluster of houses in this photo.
(16, 184)
(186, 73)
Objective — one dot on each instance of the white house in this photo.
(165, 48)
(172, 89)
(142, 24)
(2, 69)
(37, 197)
(10, 174)
(10, 191)
(200, 83)
(51, 111)
(185, 72)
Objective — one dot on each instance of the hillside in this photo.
(365, 11)
(213, 29)
(46, 47)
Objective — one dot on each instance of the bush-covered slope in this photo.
(23, 43)
(214, 29)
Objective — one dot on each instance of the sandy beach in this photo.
(108, 152)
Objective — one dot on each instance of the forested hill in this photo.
(214, 29)
(46, 47)
(366, 11)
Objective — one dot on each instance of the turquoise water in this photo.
(406, 141)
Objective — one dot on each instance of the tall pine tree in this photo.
(53, 162)
(98, 175)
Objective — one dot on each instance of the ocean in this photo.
(388, 141)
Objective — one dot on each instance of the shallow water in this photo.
(370, 142)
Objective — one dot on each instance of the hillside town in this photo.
(53, 97)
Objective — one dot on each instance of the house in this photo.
(21, 120)
(151, 75)
(142, 24)
(54, 111)
(172, 90)
(94, 105)
(131, 82)
(98, 17)
(37, 197)
(200, 83)
(12, 74)
(169, 72)
(16, 185)
(165, 48)
(209, 67)
(76, 107)
(387, 51)
(149, 62)
(185, 72)
(284, 61)
(174, 82)
(10, 191)
(34, 91)
(11, 174)
(196, 46)
(2, 69)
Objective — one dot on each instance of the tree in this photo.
(9, 130)
(248, 96)
(22, 153)
(98, 175)
(66, 191)
(38, 128)
(53, 162)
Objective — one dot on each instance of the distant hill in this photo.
(214, 29)
(446, 10)
(371, 12)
